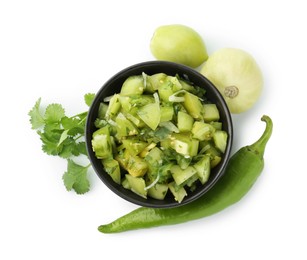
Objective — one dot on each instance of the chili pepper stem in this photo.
(259, 146)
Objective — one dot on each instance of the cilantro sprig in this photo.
(63, 136)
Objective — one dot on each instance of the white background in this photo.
(60, 50)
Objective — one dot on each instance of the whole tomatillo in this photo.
(237, 76)
(178, 43)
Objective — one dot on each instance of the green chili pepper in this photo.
(242, 171)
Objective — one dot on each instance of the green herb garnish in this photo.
(63, 136)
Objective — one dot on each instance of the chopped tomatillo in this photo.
(159, 135)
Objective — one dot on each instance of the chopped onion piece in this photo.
(107, 99)
(156, 96)
(111, 122)
(170, 126)
(175, 98)
(144, 79)
(153, 183)
(205, 148)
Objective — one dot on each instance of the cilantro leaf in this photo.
(76, 177)
(73, 125)
(88, 98)
(76, 130)
(61, 136)
(54, 113)
(36, 118)
(82, 148)
(70, 122)
(70, 148)
(50, 140)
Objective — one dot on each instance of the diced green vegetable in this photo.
(184, 122)
(157, 136)
(154, 156)
(150, 114)
(167, 113)
(124, 127)
(203, 168)
(134, 146)
(215, 161)
(147, 149)
(178, 192)
(186, 86)
(102, 110)
(165, 91)
(181, 175)
(153, 82)
(193, 105)
(158, 191)
(211, 113)
(202, 131)
(217, 125)
(137, 185)
(170, 86)
(112, 168)
(136, 166)
(125, 103)
(114, 107)
(210, 149)
(191, 182)
(165, 143)
(184, 144)
(125, 183)
(101, 146)
(220, 140)
(103, 130)
(101, 143)
(123, 159)
(176, 85)
(135, 119)
(134, 85)
(141, 100)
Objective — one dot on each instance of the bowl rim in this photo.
(118, 189)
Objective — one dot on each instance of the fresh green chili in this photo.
(243, 169)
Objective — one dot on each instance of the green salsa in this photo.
(160, 135)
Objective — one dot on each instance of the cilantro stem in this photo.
(81, 114)
(59, 134)
(83, 119)
(78, 137)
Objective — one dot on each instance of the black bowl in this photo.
(113, 86)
